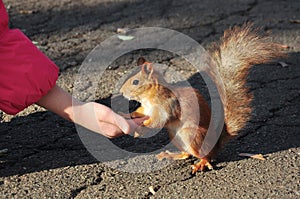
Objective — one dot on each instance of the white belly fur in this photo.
(157, 114)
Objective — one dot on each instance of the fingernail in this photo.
(123, 125)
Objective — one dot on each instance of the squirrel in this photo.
(171, 106)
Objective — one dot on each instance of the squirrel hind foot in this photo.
(201, 165)
(172, 156)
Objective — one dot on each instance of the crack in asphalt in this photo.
(77, 191)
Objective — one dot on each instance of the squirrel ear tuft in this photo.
(140, 61)
(147, 68)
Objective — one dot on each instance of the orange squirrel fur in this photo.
(173, 107)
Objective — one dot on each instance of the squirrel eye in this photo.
(135, 82)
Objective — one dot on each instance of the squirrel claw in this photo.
(201, 166)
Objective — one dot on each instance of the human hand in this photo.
(103, 120)
(93, 116)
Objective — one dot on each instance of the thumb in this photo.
(122, 123)
(129, 126)
(135, 123)
(139, 121)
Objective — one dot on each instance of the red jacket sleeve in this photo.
(26, 74)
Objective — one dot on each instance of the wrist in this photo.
(78, 111)
(60, 102)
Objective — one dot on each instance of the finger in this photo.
(109, 130)
(135, 123)
(105, 114)
(132, 127)
(139, 121)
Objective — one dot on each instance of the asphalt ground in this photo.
(42, 155)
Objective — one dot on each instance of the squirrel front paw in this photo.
(131, 115)
(147, 122)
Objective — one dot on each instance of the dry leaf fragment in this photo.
(285, 46)
(125, 37)
(151, 189)
(122, 30)
(27, 12)
(136, 134)
(283, 64)
(255, 156)
(35, 42)
(295, 21)
(3, 151)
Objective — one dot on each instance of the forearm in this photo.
(96, 117)
(60, 102)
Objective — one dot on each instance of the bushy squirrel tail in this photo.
(239, 49)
